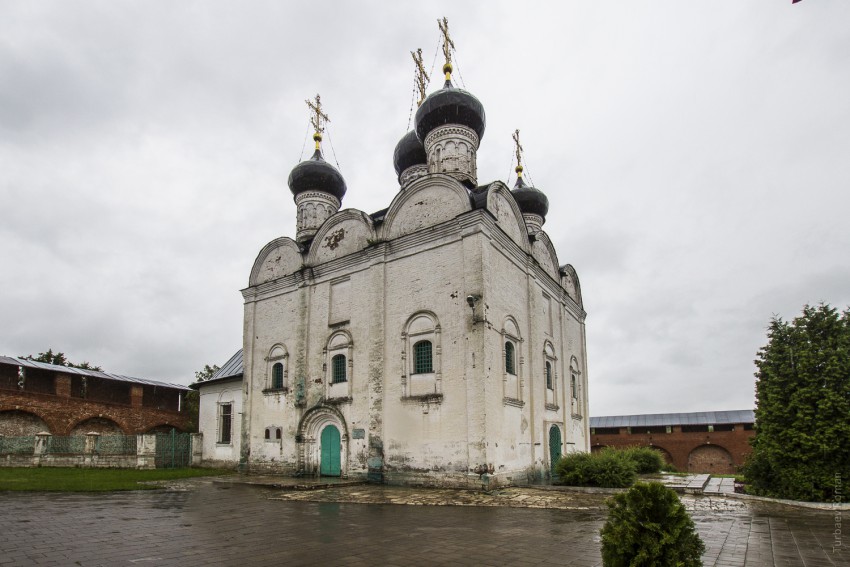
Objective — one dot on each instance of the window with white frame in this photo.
(574, 378)
(339, 366)
(575, 387)
(421, 356)
(512, 366)
(277, 372)
(550, 376)
(225, 423)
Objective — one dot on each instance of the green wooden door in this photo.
(554, 447)
(330, 451)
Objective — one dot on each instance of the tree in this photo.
(59, 359)
(802, 444)
(648, 526)
(207, 373)
(193, 398)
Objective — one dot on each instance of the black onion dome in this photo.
(530, 200)
(315, 174)
(450, 106)
(409, 152)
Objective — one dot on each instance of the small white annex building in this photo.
(432, 342)
(220, 414)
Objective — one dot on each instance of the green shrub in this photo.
(609, 468)
(647, 460)
(649, 526)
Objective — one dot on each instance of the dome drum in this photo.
(409, 159)
(314, 208)
(450, 123)
(452, 149)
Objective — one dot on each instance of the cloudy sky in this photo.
(696, 156)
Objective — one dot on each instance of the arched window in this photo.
(550, 384)
(512, 382)
(423, 360)
(510, 363)
(420, 357)
(575, 388)
(276, 370)
(277, 376)
(338, 369)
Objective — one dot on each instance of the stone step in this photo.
(697, 484)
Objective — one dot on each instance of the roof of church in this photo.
(530, 199)
(408, 152)
(83, 372)
(231, 369)
(315, 174)
(450, 105)
(693, 418)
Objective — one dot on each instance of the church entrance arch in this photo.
(323, 442)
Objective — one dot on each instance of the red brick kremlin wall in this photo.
(63, 405)
(718, 452)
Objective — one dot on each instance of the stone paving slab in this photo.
(200, 522)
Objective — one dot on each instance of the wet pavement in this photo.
(202, 522)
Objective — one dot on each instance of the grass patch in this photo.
(56, 479)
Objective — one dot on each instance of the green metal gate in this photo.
(173, 450)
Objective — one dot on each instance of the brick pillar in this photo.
(197, 449)
(62, 384)
(41, 441)
(146, 451)
(136, 396)
(90, 449)
(91, 442)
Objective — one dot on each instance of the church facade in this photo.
(438, 341)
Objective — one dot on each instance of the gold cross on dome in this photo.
(422, 77)
(317, 118)
(518, 150)
(448, 44)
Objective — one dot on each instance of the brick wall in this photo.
(61, 413)
(719, 452)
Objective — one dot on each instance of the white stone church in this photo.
(438, 341)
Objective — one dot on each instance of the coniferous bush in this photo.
(649, 526)
(802, 442)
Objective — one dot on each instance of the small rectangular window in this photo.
(423, 362)
(338, 369)
(225, 423)
(510, 365)
(550, 384)
(277, 376)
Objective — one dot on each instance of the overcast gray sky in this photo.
(696, 156)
